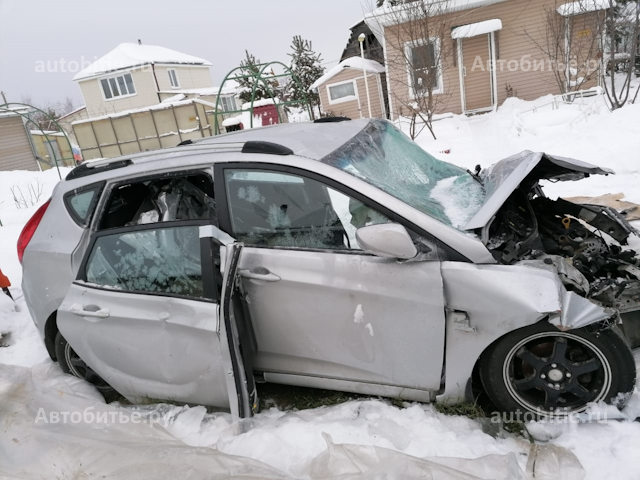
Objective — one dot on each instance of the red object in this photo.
(268, 113)
(30, 228)
(4, 281)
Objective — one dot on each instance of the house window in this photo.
(173, 78)
(342, 92)
(228, 104)
(115, 87)
(423, 65)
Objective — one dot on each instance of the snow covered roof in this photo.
(128, 55)
(475, 29)
(353, 62)
(261, 103)
(229, 122)
(174, 98)
(49, 133)
(389, 14)
(583, 6)
(13, 111)
(83, 107)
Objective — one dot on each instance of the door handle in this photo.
(259, 273)
(81, 312)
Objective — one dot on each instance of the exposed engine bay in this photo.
(587, 245)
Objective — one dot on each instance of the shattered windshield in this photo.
(385, 157)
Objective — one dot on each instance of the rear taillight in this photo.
(30, 228)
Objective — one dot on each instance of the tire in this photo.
(543, 371)
(72, 364)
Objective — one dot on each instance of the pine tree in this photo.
(250, 67)
(306, 65)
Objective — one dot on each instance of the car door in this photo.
(320, 307)
(236, 334)
(153, 313)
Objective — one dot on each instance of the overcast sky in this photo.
(33, 31)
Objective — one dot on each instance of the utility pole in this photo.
(4, 99)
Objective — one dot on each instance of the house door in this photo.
(478, 83)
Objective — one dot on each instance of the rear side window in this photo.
(173, 197)
(81, 203)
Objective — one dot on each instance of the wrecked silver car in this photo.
(339, 256)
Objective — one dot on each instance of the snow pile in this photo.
(585, 130)
(20, 342)
(57, 416)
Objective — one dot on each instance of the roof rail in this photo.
(89, 167)
(85, 169)
(268, 148)
(331, 119)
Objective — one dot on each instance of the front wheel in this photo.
(544, 371)
(72, 364)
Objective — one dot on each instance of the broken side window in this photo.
(169, 198)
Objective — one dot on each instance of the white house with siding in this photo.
(144, 97)
(132, 76)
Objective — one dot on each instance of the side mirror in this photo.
(389, 240)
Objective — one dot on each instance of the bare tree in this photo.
(571, 42)
(416, 45)
(39, 120)
(623, 16)
(29, 197)
(67, 106)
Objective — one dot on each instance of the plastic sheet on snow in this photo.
(31, 447)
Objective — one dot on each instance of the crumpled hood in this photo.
(525, 168)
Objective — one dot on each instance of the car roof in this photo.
(306, 139)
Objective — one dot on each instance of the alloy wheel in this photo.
(556, 373)
(80, 369)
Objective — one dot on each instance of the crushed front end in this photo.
(587, 245)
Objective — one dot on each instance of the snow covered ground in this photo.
(358, 439)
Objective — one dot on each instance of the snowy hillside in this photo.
(357, 439)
